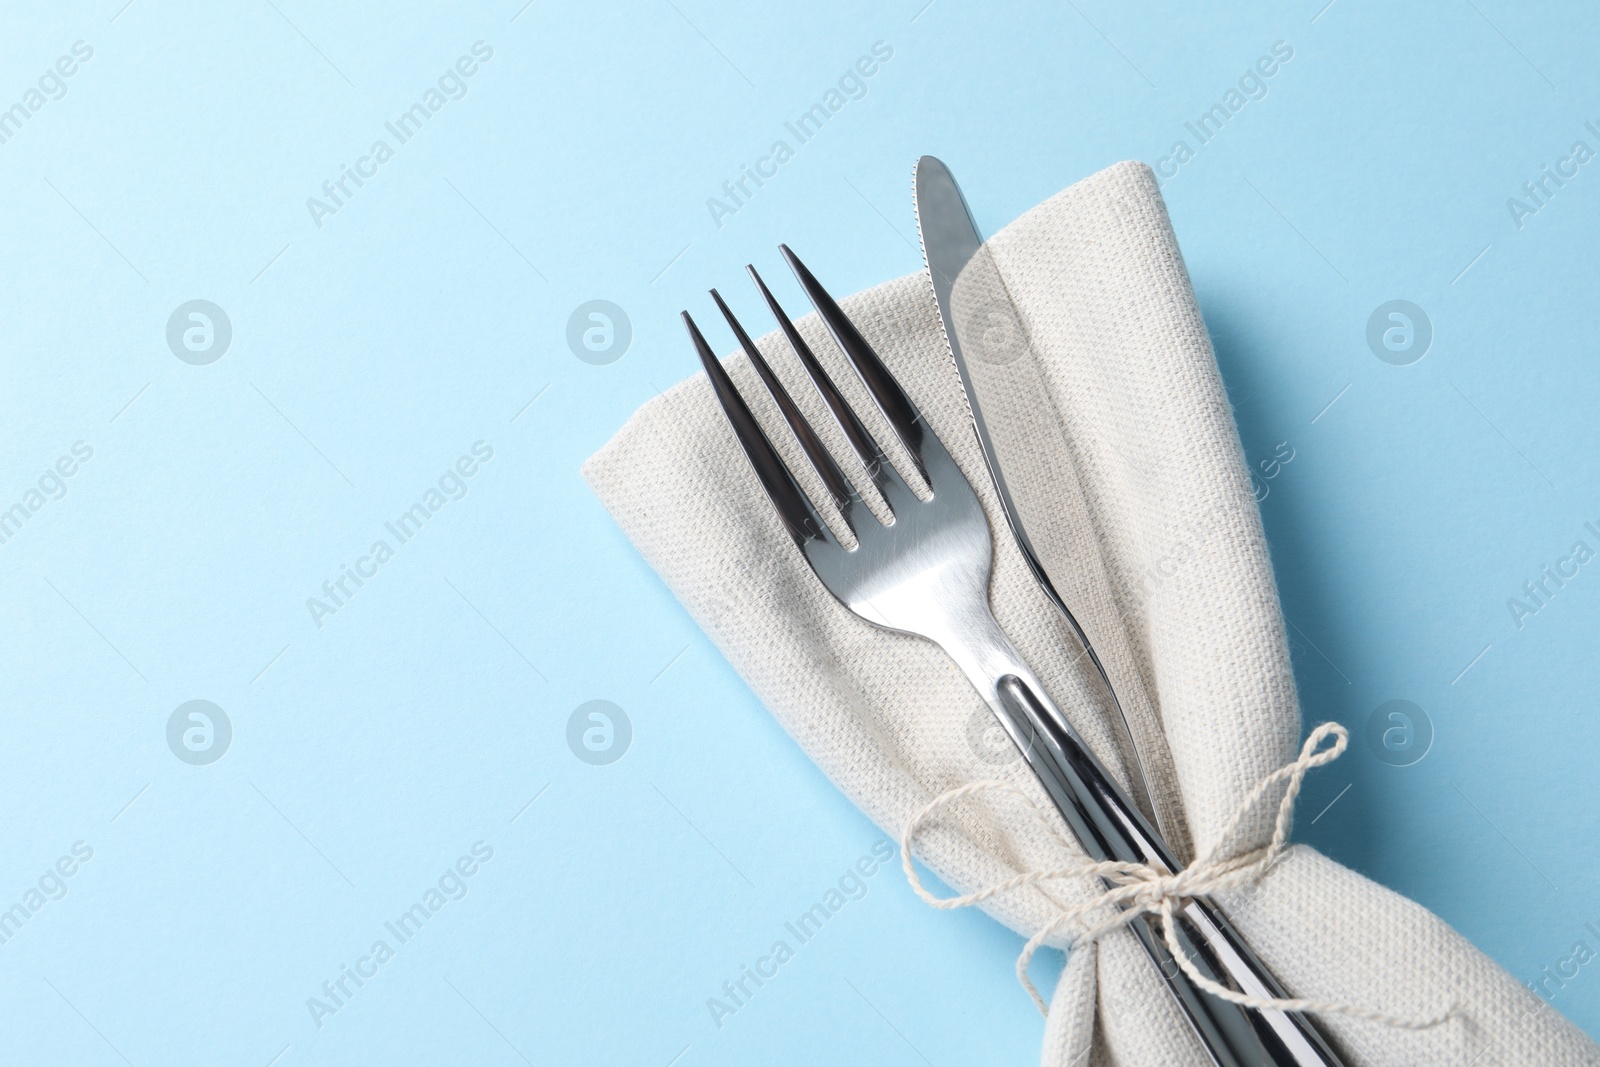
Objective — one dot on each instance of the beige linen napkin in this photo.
(1159, 549)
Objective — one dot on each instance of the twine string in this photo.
(1133, 890)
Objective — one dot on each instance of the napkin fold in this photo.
(1158, 546)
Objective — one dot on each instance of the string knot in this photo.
(1135, 890)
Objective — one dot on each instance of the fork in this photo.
(925, 571)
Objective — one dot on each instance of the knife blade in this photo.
(1011, 413)
(993, 355)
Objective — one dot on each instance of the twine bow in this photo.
(1134, 890)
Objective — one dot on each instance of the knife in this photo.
(1006, 391)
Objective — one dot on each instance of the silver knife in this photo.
(1004, 384)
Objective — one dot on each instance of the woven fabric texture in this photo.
(1158, 546)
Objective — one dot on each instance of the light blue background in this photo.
(424, 316)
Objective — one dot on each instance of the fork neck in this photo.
(1110, 827)
(1105, 820)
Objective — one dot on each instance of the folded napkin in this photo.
(1158, 546)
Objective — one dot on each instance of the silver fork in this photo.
(926, 572)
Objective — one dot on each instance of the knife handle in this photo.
(1111, 828)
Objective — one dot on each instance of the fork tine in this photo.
(790, 501)
(903, 416)
(832, 477)
(861, 440)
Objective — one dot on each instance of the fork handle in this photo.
(1110, 827)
